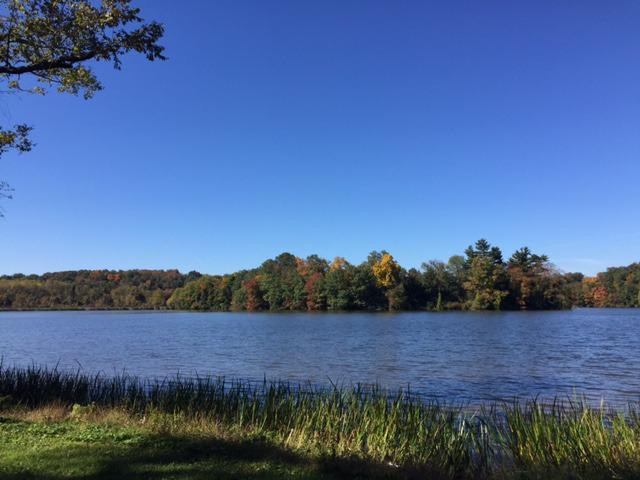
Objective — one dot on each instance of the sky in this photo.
(337, 128)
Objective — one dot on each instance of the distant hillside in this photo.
(100, 289)
(478, 280)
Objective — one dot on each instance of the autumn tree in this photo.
(338, 263)
(90, 289)
(387, 271)
(595, 293)
(254, 295)
(282, 283)
(50, 43)
(375, 257)
(312, 271)
(388, 274)
(315, 264)
(622, 286)
(316, 294)
(157, 299)
(600, 296)
(287, 282)
(530, 278)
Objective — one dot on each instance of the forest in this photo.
(480, 279)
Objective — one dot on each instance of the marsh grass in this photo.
(396, 430)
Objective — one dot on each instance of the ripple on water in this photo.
(455, 356)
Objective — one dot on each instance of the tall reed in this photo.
(374, 424)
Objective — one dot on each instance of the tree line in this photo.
(99, 289)
(481, 279)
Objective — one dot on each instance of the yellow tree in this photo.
(387, 271)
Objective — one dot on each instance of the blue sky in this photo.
(337, 128)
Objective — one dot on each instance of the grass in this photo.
(61, 425)
(78, 449)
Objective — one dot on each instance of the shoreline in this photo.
(310, 312)
(529, 439)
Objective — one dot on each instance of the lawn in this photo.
(71, 449)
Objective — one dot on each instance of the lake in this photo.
(454, 356)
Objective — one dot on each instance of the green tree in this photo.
(456, 265)
(397, 297)
(284, 287)
(49, 43)
(367, 294)
(484, 283)
(437, 281)
(416, 297)
(338, 287)
(483, 249)
(527, 261)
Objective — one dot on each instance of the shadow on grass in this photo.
(173, 457)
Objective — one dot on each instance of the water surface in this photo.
(457, 356)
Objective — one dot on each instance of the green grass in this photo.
(83, 450)
(194, 428)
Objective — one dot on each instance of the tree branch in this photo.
(60, 62)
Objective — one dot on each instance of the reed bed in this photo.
(399, 430)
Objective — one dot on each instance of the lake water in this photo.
(456, 356)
